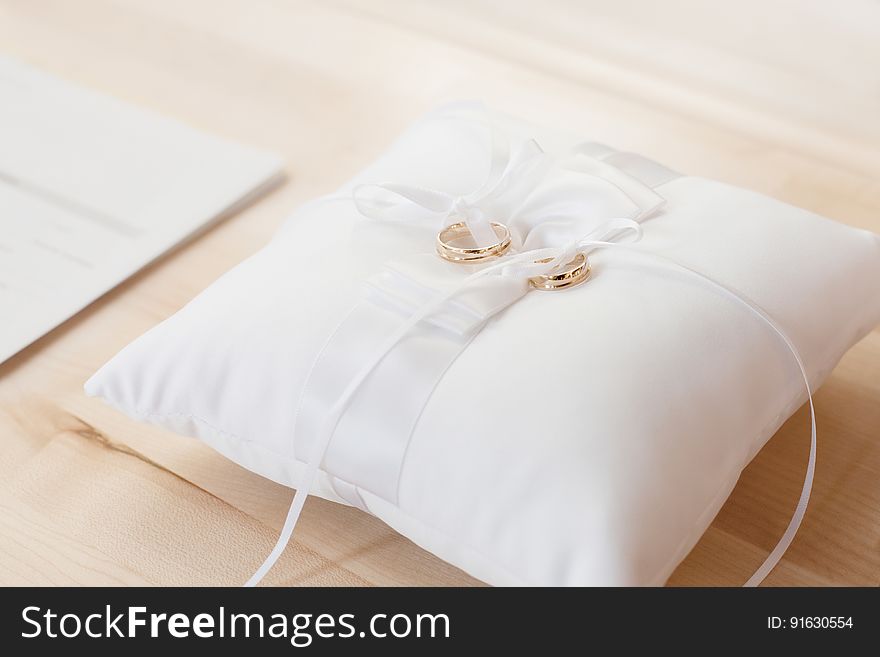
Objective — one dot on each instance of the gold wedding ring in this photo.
(568, 275)
(456, 244)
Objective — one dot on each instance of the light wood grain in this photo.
(778, 97)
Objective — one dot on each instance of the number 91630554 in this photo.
(810, 622)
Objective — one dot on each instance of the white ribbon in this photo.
(510, 182)
(508, 191)
(511, 178)
(797, 517)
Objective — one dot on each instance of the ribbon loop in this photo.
(509, 182)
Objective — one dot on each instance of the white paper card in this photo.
(92, 189)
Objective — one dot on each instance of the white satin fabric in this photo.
(580, 437)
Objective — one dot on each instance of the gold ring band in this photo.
(470, 254)
(568, 275)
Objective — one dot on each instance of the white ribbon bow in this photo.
(511, 179)
(508, 193)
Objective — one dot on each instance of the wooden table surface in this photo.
(782, 97)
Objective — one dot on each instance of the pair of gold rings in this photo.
(455, 243)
